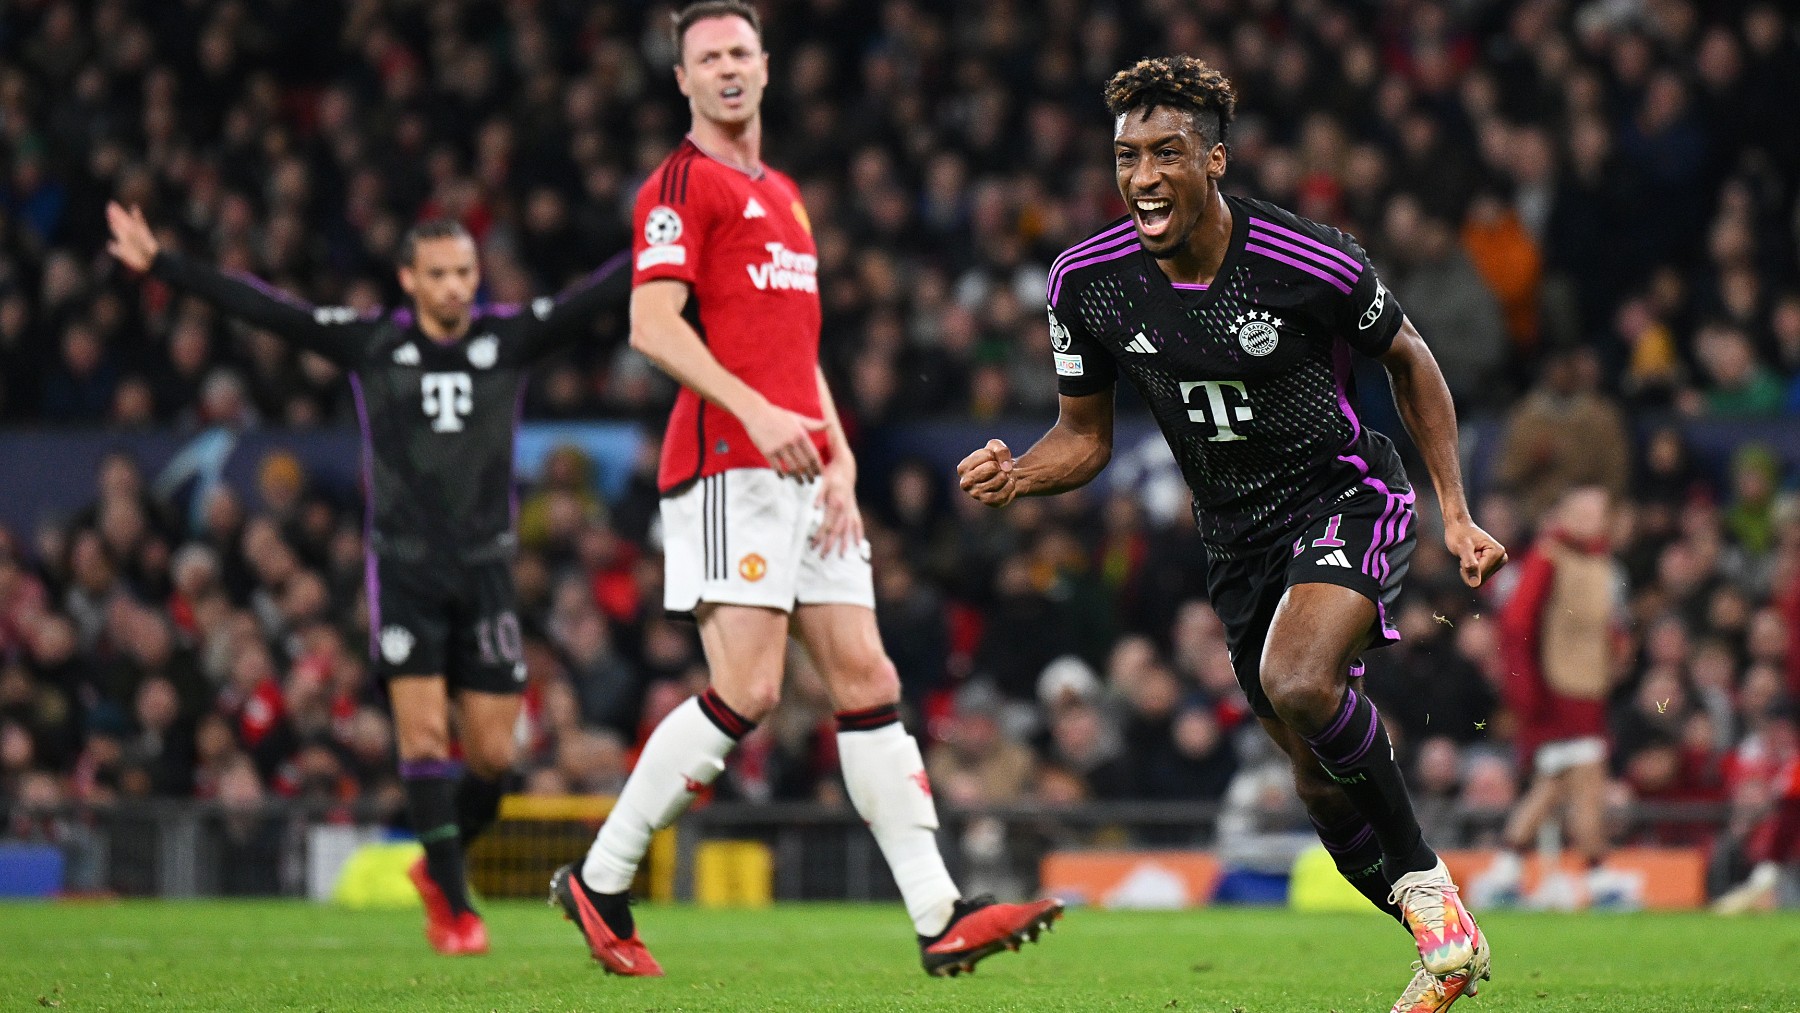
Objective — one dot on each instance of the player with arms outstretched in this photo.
(1236, 320)
(437, 388)
(761, 533)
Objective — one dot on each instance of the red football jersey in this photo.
(744, 246)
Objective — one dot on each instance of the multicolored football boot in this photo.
(1439, 922)
(1430, 994)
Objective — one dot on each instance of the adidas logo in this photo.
(406, 355)
(754, 210)
(1140, 345)
(1335, 557)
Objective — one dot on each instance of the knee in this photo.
(865, 682)
(424, 740)
(1305, 695)
(879, 682)
(755, 701)
(491, 758)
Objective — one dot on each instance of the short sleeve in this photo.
(668, 231)
(1371, 315)
(1083, 366)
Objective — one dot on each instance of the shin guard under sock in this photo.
(887, 784)
(1357, 851)
(431, 802)
(477, 805)
(684, 754)
(1355, 751)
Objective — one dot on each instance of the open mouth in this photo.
(732, 93)
(1153, 214)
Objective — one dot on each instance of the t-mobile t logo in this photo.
(1222, 415)
(448, 398)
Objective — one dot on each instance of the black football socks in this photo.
(477, 805)
(1357, 851)
(431, 801)
(1355, 751)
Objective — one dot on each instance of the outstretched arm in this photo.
(1430, 416)
(562, 320)
(321, 330)
(1068, 457)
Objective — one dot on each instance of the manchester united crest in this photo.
(753, 568)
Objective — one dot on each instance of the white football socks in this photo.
(886, 778)
(685, 753)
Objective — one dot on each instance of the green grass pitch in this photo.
(302, 957)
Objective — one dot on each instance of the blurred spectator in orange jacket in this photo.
(1509, 261)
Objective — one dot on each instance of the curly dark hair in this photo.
(1180, 81)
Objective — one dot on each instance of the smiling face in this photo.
(723, 70)
(1167, 170)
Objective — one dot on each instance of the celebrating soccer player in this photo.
(1236, 320)
(436, 390)
(761, 531)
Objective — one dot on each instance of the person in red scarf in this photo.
(1559, 632)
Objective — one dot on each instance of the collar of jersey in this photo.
(408, 319)
(761, 169)
(1240, 231)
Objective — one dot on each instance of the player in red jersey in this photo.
(761, 531)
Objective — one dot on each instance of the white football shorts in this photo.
(1554, 758)
(742, 537)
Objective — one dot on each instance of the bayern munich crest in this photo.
(1258, 332)
(396, 644)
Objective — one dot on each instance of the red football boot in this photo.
(980, 928)
(628, 956)
(444, 930)
(470, 939)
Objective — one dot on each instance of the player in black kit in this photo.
(1236, 321)
(437, 391)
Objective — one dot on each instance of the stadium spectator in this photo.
(975, 762)
(1564, 433)
(1444, 294)
(1559, 633)
(1654, 178)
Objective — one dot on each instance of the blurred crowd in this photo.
(1529, 177)
(1589, 209)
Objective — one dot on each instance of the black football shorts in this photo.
(443, 617)
(1364, 543)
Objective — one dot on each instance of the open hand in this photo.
(132, 241)
(785, 438)
(842, 528)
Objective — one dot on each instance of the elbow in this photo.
(1098, 456)
(640, 340)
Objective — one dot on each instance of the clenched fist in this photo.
(987, 474)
